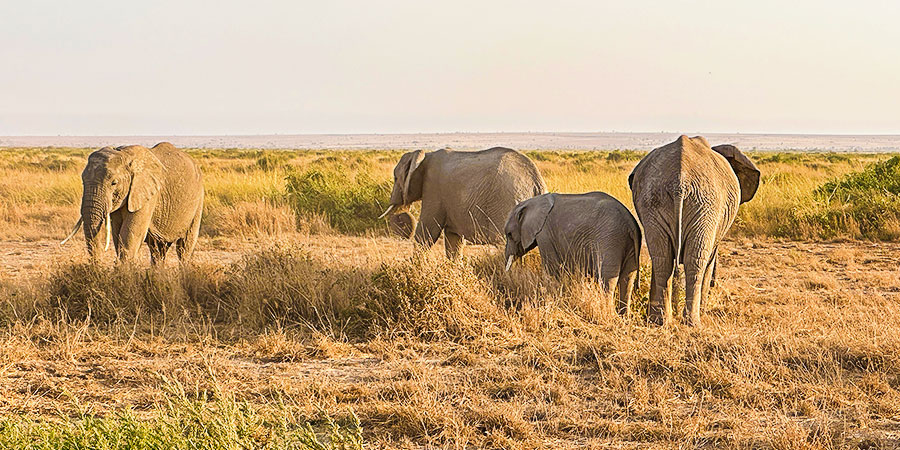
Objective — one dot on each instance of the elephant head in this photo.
(746, 171)
(115, 178)
(525, 222)
(407, 180)
(402, 224)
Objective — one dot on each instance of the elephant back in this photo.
(181, 194)
(482, 188)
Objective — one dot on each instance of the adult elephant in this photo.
(141, 195)
(686, 195)
(465, 195)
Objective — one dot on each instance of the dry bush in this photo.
(256, 218)
(435, 299)
(125, 293)
(284, 286)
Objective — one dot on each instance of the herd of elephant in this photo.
(686, 195)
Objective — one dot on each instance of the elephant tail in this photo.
(679, 204)
(636, 235)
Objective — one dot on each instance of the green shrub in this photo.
(342, 189)
(863, 204)
(269, 160)
(879, 177)
(624, 156)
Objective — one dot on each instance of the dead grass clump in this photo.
(434, 299)
(113, 294)
(286, 287)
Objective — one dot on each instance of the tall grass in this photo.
(251, 192)
(218, 423)
(345, 188)
(862, 204)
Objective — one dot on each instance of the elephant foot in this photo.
(692, 321)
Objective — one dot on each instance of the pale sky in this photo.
(331, 66)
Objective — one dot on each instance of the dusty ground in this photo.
(100, 375)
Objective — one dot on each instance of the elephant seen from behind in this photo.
(465, 195)
(141, 195)
(686, 195)
(592, 234)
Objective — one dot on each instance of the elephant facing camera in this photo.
(402, 225)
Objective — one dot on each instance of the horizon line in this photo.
(448, 132)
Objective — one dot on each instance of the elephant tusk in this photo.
(390, 208)
(108, 232)
(509, 262)
(74, 230)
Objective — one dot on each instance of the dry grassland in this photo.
(290, 317)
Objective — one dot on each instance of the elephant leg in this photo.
(185, 247)
(116, 219)
(608, 285)
(158, 250)
(659, 310)
(453, 244)
(626, 288)
(427, 232)
(696, 279)
(134, 232)
(715, 265)
(707, 281)
(609, 279)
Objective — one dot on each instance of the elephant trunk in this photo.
(95, 214)
(510, 253)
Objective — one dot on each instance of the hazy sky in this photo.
(331, 66)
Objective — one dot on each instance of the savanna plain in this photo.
(302, 324)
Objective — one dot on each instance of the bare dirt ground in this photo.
(93, 374)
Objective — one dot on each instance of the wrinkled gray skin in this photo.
(465, 195)
(592, 234)
(149, 195)
(686, 195)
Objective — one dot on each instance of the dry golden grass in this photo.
(798, 347)
(798, 350)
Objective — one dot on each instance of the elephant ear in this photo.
(412, 189)
(747, 172)
(532, 218)
(146, 177)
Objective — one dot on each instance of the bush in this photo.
(344, 191)
(285, 286)
(126, 293)
(863, 204)
(268, 160)
(433, 300)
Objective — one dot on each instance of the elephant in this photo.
(465, 195)
(686, 195)
(592, 234)
(402, 224)
(141, 195)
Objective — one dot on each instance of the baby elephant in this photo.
(593, 234)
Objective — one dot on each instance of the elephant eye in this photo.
(114, 182)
